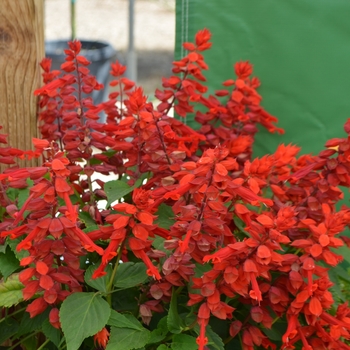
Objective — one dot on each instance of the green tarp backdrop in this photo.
(300, 50)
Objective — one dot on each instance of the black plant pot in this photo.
(99, 53)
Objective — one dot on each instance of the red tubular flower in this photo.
(309, 267)
(291, 331)
(102, 337)
(54, 318)
(250, 268)
(138, 247)
(36, 307)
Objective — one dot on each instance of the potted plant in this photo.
(100, 53)
(189, 243)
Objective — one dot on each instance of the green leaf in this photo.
(166, 216)
(119, 320)
(83, 315)
(183, 342)
(29, 325)
(23, 193)
(12, 194)
(160, 332)
(162, 347)
(52, 333)
(13, 243)
(126, 300)
(30, 343)
(130, 274)
(334, 275)
(3, 246)
(8, 263)
(174, 322)
(8, 328)
(98, 283)
(276, 332)
(90, 228)
(344, 252)
(115, 190)
(86, 218)
(127, 338)
(214, 340)
(200, 269)
(11, 291)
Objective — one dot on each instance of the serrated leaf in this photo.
(82, 315)
(98, 283)
(183, 342)
(174, 322)
(3, 246)
(160, 332)
(341, 282)
(11, 291)
(115, 190)
(165, 216)
(214, 340)
(162, 347)
(8, 263)
(127, 339)
(130, 274)
(157, 335)
(119, 320)
(52, 333)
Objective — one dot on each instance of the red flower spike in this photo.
(202, 340)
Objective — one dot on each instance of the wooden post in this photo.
(21, 50)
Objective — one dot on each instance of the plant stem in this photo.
(14, 313)
(162, 141)
(25, 338)
(114, 272)
(72, 19)
(43, 344)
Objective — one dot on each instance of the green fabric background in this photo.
(300, 50)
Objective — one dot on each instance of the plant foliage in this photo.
(139, 232)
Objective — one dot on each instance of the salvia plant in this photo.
(141, 233)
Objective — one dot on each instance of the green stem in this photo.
(43, 344)
(14, 313)
(72, 19)
(23, 339)
(114, 272)
(227, 340)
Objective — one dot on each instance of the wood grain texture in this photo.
(21, 50)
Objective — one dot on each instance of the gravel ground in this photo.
(107, 20)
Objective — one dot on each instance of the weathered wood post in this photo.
(21, 50)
